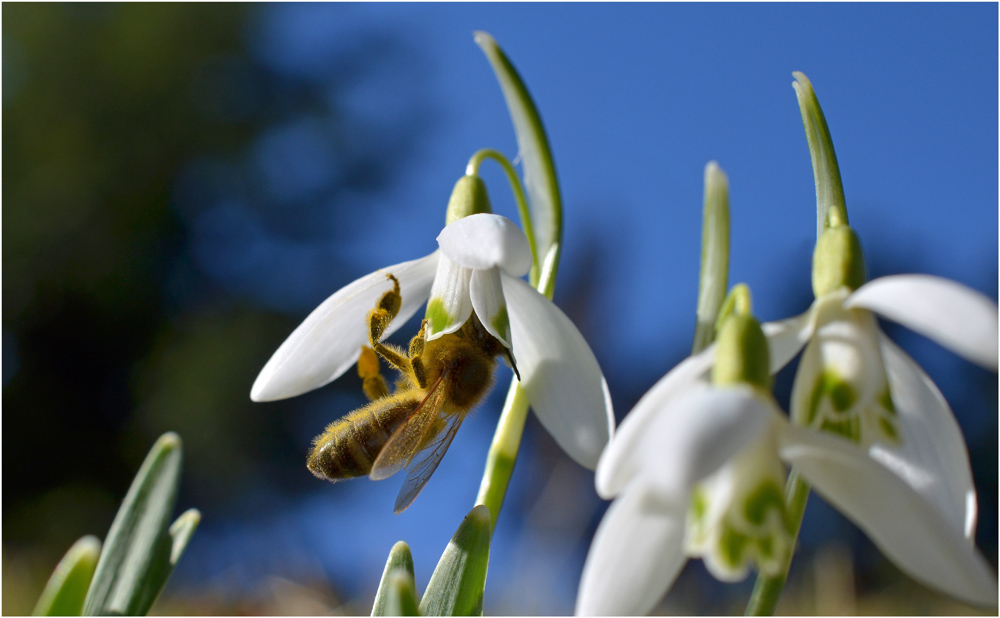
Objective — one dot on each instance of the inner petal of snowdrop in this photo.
(842, 386)
(449, 306)
(737, 515)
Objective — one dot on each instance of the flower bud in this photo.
(469, 197)
(742, 356)
(838, 261)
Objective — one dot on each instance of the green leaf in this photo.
(714, 277)
(397, 592)
(536, 159)
(67, 587)
(181, 531)
(139, 552)
(826, 172)
(457, 584)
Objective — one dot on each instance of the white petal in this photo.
(485, 241)
(449, 306)
(957, 317)
(329, 341)
(634, 558)
(618, 462)
(695, 435)
(562, 379)
(486, 292)
(909, 531)
(932, 440)
(786, 338)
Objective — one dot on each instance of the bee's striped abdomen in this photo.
(349, 446)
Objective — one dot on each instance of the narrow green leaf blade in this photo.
(136, 560)
(67, 587)
(714, 276)
(826, 171)
(536, 158)
(397, 592)
(181, 531)
(457, 584)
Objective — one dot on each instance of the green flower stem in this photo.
(541, 216)
(767, 589)
(503, 451)
(522, 202)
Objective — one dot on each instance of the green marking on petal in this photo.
(771, 554)
(840, 392)
(438, 315)
(766, 497)
(501, 322)
(849, 428)
(888, 429)
(699, 504)
(886, 400)
(765, 549)
(732, 546)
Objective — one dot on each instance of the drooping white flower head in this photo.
(694, 471)
(477, 267)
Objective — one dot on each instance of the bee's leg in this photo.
(373, 385)
(379, 319)
(385, 310)
(416, 352)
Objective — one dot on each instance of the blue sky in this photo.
(636, 99)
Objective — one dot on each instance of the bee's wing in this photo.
(413, 434)
(423, 465)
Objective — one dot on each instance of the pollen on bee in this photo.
(439, 383)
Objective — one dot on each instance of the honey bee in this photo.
(440, 382)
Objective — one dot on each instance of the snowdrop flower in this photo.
(477, 268)
(695, 471)
(853, 381)
(844, 382)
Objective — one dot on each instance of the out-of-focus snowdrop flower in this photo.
(695, 470)
(477, 268)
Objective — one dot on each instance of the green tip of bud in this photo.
(469, 197)
(838, 260)
(742, 355)
(738, 301)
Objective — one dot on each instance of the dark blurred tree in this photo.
(98, 119)
(127, 126)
